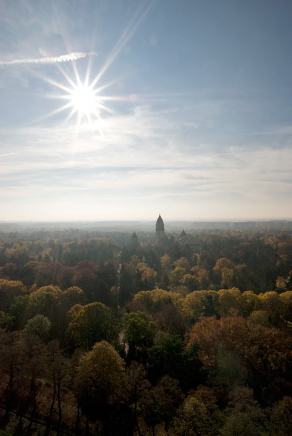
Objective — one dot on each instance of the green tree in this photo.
(91, 323)
(44, 301)
(168, 356)
(6, 320)
(138, 332)
(38, 326)
(100, 382)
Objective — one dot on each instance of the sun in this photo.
(83, 100)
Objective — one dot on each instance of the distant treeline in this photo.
(141, 226)
(185, 262)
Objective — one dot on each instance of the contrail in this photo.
(69, 57)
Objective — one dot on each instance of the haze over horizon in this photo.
(115, 110)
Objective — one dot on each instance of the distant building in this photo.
(159, 226)
(183, 235)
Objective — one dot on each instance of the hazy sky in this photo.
(201, 128)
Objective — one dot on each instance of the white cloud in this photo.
(142, 158)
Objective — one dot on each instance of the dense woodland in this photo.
(126, 334)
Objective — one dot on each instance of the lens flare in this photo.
(84, 101)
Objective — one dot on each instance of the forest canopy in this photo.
(121, 334)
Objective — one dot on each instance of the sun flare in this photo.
(84, 101)
(87, 99)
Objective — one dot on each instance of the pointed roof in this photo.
(159, 225)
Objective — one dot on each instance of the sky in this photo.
(194, 113)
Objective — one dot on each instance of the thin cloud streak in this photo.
(46, 60)
(127, 34)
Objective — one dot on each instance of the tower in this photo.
(159, 226)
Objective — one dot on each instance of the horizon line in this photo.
(171, 220)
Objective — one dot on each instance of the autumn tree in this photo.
(244, 415)
(159, 403)
(44, 301)
(163, 307)
(9, 290)
(263, 351)
(224, 270)
(281, 417)
(58, 373)
(198, 415)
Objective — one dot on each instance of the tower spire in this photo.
(159, 226)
